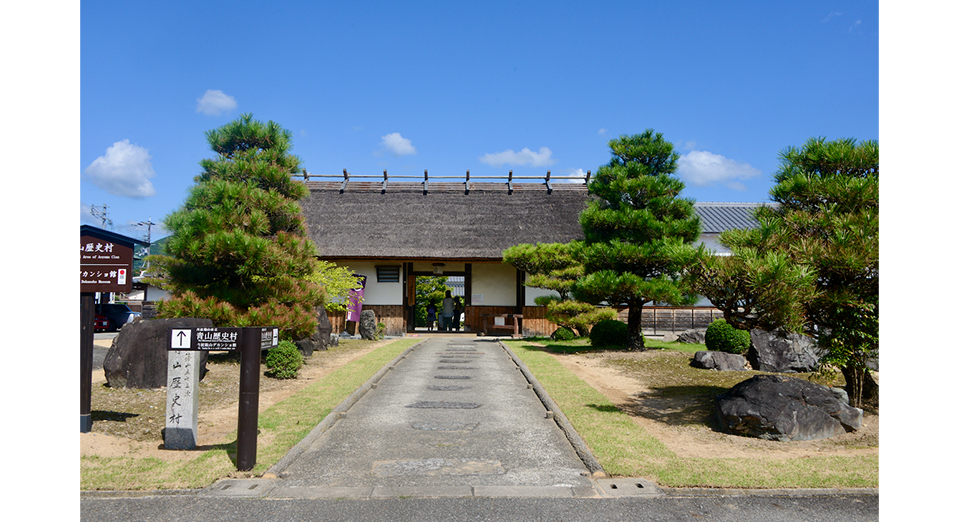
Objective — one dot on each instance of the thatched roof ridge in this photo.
(365, 220)
(446, 221)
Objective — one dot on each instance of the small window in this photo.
(388, 274)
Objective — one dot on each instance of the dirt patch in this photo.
(680, 412)
(127, 422)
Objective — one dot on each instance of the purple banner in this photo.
(355, 305)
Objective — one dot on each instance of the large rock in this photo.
(783, 408)
(723, 361)
(783, 352)
(693, 336)
(368, 325)
(320, 340)
(138, 356)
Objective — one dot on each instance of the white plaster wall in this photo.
(375, 293)
(532, 293)
(497, 283)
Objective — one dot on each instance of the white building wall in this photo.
(496, 283)
(375, 293)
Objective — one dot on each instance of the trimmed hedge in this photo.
(723, 337)
(563, 333)
(609, 332)
(284, 361)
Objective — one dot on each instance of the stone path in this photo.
(455, 417)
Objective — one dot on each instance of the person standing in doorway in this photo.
(431, 316)
(457, 310)
(447, 305)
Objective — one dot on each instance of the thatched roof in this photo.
(365, 220)
(446, 221)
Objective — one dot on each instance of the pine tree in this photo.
(639, 232)
(813, 263)
(239, 252)
(556, 266)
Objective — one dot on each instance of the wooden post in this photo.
(248, 409)
(86, 360)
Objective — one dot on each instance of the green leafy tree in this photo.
(337, 281)
(812, 264)
(430, 289)
(639, 232)
(555, 266)
(238, 252)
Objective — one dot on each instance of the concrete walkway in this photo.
(451, 417)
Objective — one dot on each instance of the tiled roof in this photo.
(717, 217)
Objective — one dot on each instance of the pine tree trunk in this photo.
(860, 386)
(634, 313)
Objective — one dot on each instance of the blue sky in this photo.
(452, 86)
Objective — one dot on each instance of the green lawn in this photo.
(624, 448)
(280, 427)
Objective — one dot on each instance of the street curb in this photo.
(591, 462)
(781, 492)
(336, 414)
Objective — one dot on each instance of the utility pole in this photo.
(148, 223)
(102, 214)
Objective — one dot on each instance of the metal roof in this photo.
(718, 217)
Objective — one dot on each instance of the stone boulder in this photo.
(783, 352)
(693, 336)
(367, 328)
(722, 361)
(320, 340)
(138, 356)
(782, 408)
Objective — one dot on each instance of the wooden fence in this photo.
(656, 320)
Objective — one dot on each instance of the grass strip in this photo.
(624, 448)
(280, 427)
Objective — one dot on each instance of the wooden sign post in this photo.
(106, 263)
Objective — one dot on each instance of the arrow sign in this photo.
(180, 339)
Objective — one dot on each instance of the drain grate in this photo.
(452, 377)
(445, 426)
(455, 368)
(455, 361)
(444, 405)
(449, 387)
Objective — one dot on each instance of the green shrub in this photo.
(723, 337)
(609, 332)
(284, 361)
(564, 333)
(379, 333)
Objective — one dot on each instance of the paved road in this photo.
(715, 509)
(454, 430)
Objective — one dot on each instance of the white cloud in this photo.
(579, 173)
(124, 170)
(215, 103)
(705, 168)
(602, 131)
(524, 157)
(397, 145)
(831, 16)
